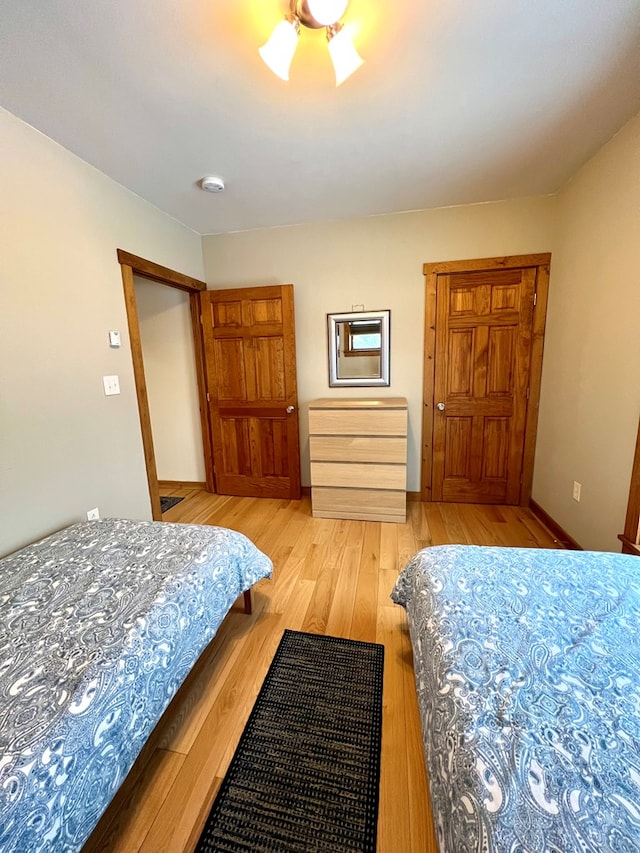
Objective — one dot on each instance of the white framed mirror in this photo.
(358, 348)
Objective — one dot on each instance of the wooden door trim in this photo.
(431, 271)
(131, 265)
(535, 379)
(479, 264)
(629, 536)
(195, 304)
(163, 275)
(428, 382)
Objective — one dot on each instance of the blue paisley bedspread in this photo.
(99, 626)
(527, 668)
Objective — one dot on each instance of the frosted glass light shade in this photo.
(344, 56)
(327, 12)
(278, 52)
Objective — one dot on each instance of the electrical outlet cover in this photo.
(111, 385)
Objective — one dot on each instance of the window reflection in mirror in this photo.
(359, 348)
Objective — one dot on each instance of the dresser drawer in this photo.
(367, 504)
(358, 421)
(358, 475)
(357, 448)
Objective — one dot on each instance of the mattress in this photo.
(99, 626)
(527, 666)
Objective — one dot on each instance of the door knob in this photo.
(290, 409)
(441, 407)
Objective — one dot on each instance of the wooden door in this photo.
(482, 405)
(250, 359)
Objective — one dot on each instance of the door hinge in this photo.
(528, 393)
(201, 320)
(209, 396)
(535, 299)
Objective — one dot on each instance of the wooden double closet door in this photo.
(484, 335)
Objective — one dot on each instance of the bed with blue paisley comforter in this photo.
(527, 668)
(99, 626)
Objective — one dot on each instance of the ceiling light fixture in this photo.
(278, 51)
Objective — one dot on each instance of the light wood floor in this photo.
(330, 577)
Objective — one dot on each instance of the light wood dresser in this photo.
(358, 450)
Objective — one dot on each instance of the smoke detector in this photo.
(212, 184)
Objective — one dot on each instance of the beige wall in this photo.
(590, 386)
(64, 446)
(376, 262)
(169, 366)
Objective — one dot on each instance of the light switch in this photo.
(111, 385)
(114, 339)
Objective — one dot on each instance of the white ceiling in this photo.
(459, 101)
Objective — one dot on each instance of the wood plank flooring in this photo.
(330, 576)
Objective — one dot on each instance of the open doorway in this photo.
(170, 371)
(133, 267)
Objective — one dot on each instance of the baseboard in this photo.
(182, 484)
(558, 532)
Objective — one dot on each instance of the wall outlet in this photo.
(111, 385)
(577, 488)
(93, 514)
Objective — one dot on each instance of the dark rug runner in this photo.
(167, 502)
(304, 778)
